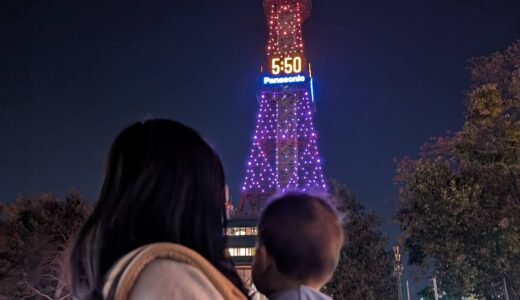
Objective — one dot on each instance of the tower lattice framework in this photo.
(284, 154)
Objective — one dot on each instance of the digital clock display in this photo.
(286, 65)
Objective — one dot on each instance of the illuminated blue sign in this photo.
(312, 91)
(281, 80)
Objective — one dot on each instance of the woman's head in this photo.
(163, 183)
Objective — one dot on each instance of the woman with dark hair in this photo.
(164, 195)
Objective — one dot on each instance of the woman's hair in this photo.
(163, 183)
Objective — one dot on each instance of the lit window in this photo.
(241, 231)
(241, 251)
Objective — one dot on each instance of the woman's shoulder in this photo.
(167, 271)
(168, 279)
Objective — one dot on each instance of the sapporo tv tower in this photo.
(284, 155)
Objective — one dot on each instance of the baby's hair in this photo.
(303, 234)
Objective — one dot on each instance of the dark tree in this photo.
(33, 236)
(365, 267)
(460, 200)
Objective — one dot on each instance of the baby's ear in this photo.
(262, 270)
(263, 260)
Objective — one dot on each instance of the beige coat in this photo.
(168, 271)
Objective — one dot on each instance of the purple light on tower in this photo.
(284, 155)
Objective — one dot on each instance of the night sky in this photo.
(389, 75)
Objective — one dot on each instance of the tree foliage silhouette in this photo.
(33, 236)
(460, 200)
(365, 267)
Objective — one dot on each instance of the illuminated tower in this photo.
(284, 155)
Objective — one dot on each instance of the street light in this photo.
(398, 270)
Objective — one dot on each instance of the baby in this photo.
(299, 240)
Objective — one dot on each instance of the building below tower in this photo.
(241, 238)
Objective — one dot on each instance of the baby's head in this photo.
(299, 240)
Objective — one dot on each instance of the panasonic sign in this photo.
(281, 80)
